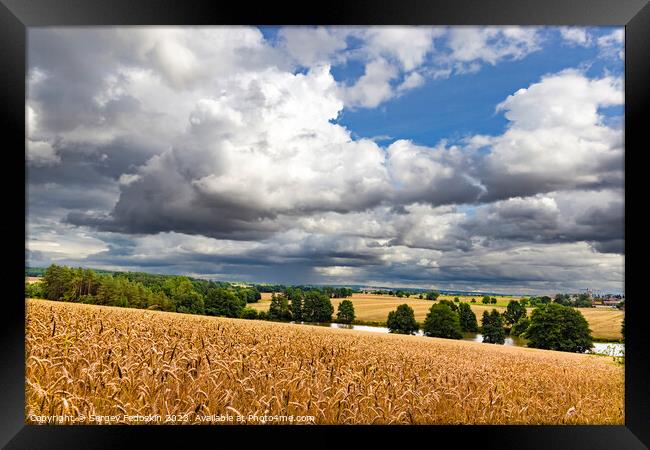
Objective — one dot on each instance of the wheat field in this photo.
(125, 365)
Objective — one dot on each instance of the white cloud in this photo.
(373, 87)
(223, 156)
(492, 44)
(612, 45)
(576, 36)
(310, 46)
(408, 45)
(41, 153)
(127, 178)
(556, 131)
(411, 81)
(38, 149)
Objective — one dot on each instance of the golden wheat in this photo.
(88, 362)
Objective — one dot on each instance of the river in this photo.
(601, 348)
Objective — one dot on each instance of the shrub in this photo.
(249, 313)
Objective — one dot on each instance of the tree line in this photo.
(551, 326)
(186, 295)
(142, 290)
(315, 306)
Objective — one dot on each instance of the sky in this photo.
(459, 158)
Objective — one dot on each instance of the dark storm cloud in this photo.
(202, 152)
(599, 219)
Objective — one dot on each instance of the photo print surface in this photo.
(325, 225)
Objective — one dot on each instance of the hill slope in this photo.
(93, 360)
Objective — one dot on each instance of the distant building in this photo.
(611, 301)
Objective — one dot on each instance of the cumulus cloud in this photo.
(407, 45)
(310, 46)
(556, 138)
(595, 217)
(265, 149)
(612, 45)
(216, 151)
(373, 87)
(576, 36)
(491, 44)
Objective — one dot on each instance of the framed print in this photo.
(401, 217)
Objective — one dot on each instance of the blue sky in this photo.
(469, 158)
(455, 107)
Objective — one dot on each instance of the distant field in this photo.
(86, 361)
(605, 324)
(32, 280)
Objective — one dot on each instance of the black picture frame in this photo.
(17, 15)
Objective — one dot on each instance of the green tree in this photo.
(492, 328)
(34, 290)
(402, 320)
(279, 309)
(317, 307)
(583, 301)
(433, 295)
(249, 295)
(442, 322)
(557, 327)
(185, 298)
(56, 282)
(345, 312)
(514, 312)
(467, 318)
(295, 297)
(523, 302)
(520, 327)
(223, 302)
(493, 300)
(485, 300)
(449, 303)
(562, 299)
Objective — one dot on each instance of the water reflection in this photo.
(603, 348)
